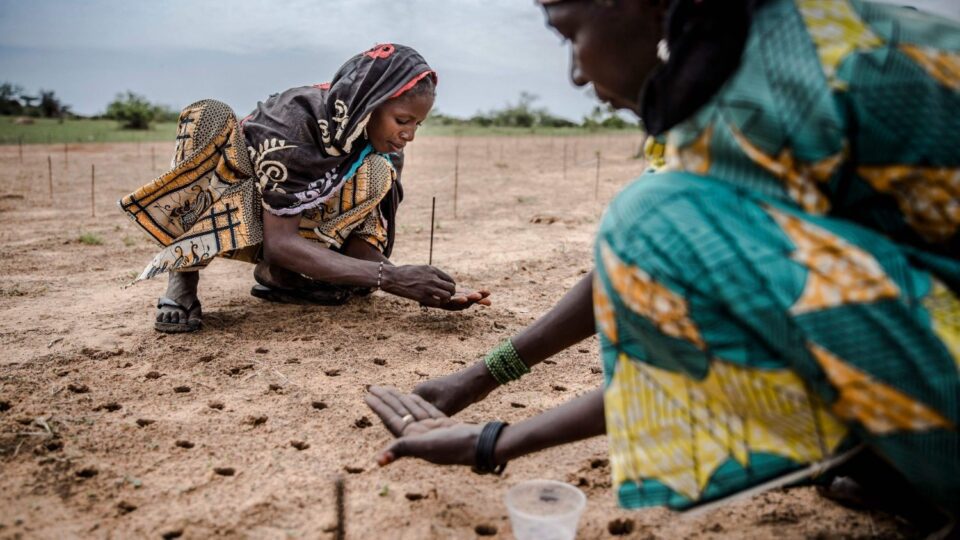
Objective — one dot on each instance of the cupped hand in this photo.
(422, 431)
(464, 298)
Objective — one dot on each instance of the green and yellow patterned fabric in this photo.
(785, 287)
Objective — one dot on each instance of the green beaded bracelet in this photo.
(504, 363)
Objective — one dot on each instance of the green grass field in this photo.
(51, 131)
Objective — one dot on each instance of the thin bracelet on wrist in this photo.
(486, 443)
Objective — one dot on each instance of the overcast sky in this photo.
(240, 51)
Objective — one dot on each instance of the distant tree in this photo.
(9, 99)
(134, 111)
(606, 117)
(50, 106)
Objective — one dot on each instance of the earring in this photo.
(663, 51)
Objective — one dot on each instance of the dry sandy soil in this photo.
(109, 429)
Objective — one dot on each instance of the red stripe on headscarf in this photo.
(413, 82)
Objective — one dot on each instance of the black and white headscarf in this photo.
(306, 142)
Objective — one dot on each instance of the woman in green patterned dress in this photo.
(782, 293)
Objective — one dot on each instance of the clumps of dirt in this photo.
(237, 370)
(184, 444)
(274, 387)
(78, 388)
(362, 422)
(144, 422)
(5, 406)
(558, 388)
(54, 445)
(181, 389)
(172, 535)
(255, 420)
(379, 361)
(225, 471)
(124, 508)
(353, 470)
(292, 361)
(318, 405)
(112, 406)
(485, 529)
(595, 370)
(87, 472)
(218, 405)
(153, 375)
(300, 445)
(261, 350)
(98, 354)
(331, 372)
(206, 358)
(621, 527)
(420, 348)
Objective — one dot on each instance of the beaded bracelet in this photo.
(504, 363)
(379, 275)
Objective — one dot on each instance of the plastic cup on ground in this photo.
(544, 510)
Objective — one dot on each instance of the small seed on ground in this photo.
(255, 420)
(144, 422)
(319, 405)
(181, 389)
(299, 445)
(353, 470)
(516, 405)
(78, 388)
(87, 472)
(125, 508)
(485, 530)
(413, 496)
(215, 405)
(261, 350)
(224, 471)
(184, 444)
(621, 527)
(362, 422)
(379, 361)
(331, 372)
(559, 388)
(153, 375)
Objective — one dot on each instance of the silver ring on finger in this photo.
(407, 418)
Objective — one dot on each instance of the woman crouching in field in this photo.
(783, 295)
(306, 187)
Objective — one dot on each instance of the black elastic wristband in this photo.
(485, 463)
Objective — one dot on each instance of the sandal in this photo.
(190, 322)
(330, 295)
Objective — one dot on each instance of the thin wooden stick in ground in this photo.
(433, 214)
(93, 190)
(596, 187)
(50, 175)
(456, 179)
(20, 148)
(339, 490)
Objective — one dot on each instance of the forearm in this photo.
(568, 323)
(320, 263)
(575, 420)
